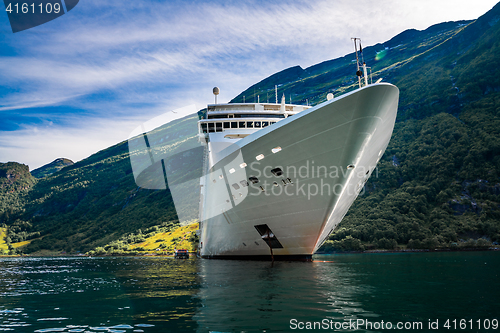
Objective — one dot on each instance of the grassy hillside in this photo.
(158, 240)
(4, 249)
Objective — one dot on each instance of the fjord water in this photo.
(168, 295)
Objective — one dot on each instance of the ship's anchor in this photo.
(267, 237)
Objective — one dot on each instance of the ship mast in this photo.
(360, 64)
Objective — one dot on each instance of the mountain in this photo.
(15, 182)
(14, 177)
(51, 168)
(437, 185)
(387, 60)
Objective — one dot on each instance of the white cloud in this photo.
(39, 145)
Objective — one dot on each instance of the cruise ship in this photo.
(279, 178)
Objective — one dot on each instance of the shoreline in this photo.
(379, 251)
(468, 249)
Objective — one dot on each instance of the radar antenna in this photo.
(216, 91)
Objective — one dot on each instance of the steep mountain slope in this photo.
(437, 183)
(51, 168)
(338, 75)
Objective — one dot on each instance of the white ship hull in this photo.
(327, 154)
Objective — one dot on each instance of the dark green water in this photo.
(167, 295)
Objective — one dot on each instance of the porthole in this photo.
(242, 165)
(254, 180)
(275, 183)
(259, 157)
(277, 172)
(232, 170)
(350, 167)
(236, 186)
(244, 183)
(276, 150)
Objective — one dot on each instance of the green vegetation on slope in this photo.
(422, 197)
(51, 168)
(15, 182)
(438, 182)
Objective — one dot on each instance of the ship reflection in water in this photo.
(260, 296)
(168, 295)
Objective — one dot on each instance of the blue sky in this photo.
(84, 81)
